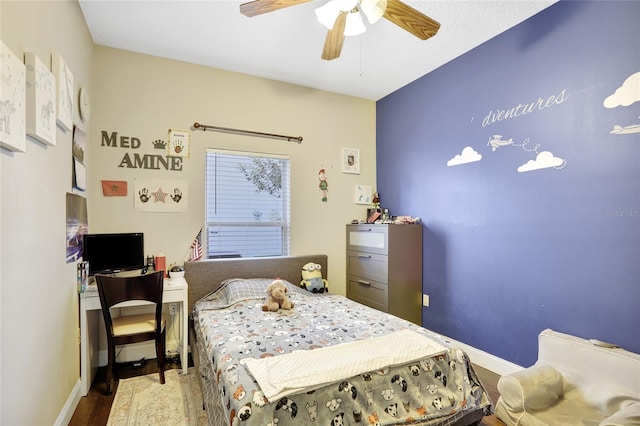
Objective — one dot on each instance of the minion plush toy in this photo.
(312, 278)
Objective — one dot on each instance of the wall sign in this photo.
(141, 161)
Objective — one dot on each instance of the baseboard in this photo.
(136, 351)
(69, 407)
(486, 360)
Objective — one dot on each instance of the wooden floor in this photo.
(490, 381)
(95, 407)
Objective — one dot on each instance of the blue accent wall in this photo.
(528, 192)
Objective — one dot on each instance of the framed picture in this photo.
(41, 100)
(179, 143)
(351, 160)
(364, 194)
(12, 101)
(64, 86)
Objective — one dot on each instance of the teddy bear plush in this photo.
(277, 297)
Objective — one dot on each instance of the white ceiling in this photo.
(285, 45)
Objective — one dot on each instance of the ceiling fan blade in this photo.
(335, 38)
(258, 7)
(411, 20)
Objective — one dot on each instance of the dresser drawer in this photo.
(370, 238)
(367, 265)
(367, 292)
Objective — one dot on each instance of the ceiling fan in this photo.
(342, 18)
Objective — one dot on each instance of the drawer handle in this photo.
(365, 230)
(365, 256)
(367, 283)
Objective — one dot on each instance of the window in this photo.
(247, 203)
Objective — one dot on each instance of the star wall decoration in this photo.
(159, 196)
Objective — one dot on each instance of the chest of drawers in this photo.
(384, 268)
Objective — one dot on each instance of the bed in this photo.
(328, 361)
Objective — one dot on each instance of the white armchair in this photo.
(574, 382)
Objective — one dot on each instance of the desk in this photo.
(175, 291)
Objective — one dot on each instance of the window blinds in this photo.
(247, 204)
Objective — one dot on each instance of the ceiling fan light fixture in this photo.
(355, 25)
(373, 9)
(327, 14)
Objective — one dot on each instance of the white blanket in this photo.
(305, 370)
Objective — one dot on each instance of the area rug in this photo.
(144, 401)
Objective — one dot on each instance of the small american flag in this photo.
(196, 247)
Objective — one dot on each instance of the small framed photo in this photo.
(351, 160)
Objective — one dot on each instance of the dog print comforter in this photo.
(432, 386)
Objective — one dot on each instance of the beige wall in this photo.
(141, 97)
(39, 315)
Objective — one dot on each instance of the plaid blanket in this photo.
(234, 290)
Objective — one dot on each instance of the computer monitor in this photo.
(111, 253)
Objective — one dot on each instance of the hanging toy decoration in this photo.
(323, 185)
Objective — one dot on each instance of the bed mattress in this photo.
(425, 381)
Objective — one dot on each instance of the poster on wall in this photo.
(41, 100)
(77, 225)
(160, 195)
(12, 101)
(78, 148)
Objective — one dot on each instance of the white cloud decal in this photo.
(468, 155)
(626, 94)
(544, 160)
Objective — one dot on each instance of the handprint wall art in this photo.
(161, 195)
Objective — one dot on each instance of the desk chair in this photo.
(133, 328)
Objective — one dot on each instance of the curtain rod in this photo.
(205, 127)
